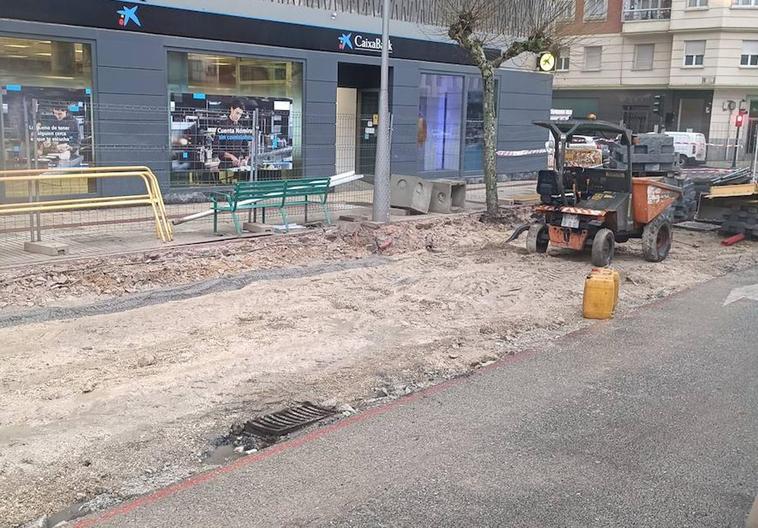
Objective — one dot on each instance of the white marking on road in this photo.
(745, 292)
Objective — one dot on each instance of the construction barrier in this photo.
(35, 206)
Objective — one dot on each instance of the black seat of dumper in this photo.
(547, 184)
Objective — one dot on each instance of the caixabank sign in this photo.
(360, 42)
(145, 18)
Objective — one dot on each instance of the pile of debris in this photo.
(708, 195)
(115, 276)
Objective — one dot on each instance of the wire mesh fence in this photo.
(728, 144)
(194, 150)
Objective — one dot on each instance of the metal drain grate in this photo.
(283, 422)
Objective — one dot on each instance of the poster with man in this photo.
(59, 135)
(46, 127)
(221, 139)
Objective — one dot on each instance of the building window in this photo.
(694, 52)
(749, 55)
(473, 153)
(745, 3)
(564, 59)
(233, 118)
(593, 58)
(643, 56)
(473, 150)
(697, 3)
(565, 10)
(595, 9)
(46, 115)
(647, 10)
(440, 110)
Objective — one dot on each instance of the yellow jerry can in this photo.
(601, 293)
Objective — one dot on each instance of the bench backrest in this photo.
(260, 190)
(281, 189)
(302, 187)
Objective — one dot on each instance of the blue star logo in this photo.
(128, 14)
(345, 41)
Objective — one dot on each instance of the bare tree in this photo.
(496, 31)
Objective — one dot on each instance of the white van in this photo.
(690, 148)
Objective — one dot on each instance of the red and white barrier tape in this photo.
(517, 153)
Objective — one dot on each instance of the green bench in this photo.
(254, 195)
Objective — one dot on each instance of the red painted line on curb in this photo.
(296, 442)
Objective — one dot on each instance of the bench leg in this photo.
(283, 213)
(215, 221)
(263, 215)
(326, 213)
(306, 209)
(250, 215)
(237, 226)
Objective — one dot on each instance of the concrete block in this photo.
(396, 211)
(53, 249)
(353, 218)
(254, 227)
(411, 192)
(448, 196)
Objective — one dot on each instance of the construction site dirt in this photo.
(118, 374)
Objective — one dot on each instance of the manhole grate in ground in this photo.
(283, 422)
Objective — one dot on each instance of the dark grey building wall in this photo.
(525, 97)
(132, 122)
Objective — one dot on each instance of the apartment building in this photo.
(679, 64)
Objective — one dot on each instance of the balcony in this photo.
(646, 16)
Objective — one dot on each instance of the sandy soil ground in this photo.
(108, 406)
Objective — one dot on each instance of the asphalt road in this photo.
(650, 420)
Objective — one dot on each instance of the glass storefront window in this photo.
(439, 122)
(473, 150)
(46, 117)
(234, 118)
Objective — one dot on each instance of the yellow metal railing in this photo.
(153, 197)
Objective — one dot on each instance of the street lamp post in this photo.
(381, 209)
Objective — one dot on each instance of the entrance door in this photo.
(692, 115)
(347, 121)
(368, 111)
(357, 101)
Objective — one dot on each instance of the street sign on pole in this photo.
(381, 206)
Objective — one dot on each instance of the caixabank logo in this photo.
(128, 15)
(348, 42)
(345, 41)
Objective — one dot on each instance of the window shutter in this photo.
(643, 56)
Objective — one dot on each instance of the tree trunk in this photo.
(490, 139)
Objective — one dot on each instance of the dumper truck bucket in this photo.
(650, 198)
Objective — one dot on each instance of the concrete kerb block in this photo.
(411, 192)
(254, 227)
(52, 249)
(448, 196)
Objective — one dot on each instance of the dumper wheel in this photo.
(603, 247)
(656, 239)
(537, 239)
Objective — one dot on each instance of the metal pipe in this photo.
(35, 141)
(755, 154)
(28, 163)
(736, 146)
(2, 133)
(381, 206)
(155, 198)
